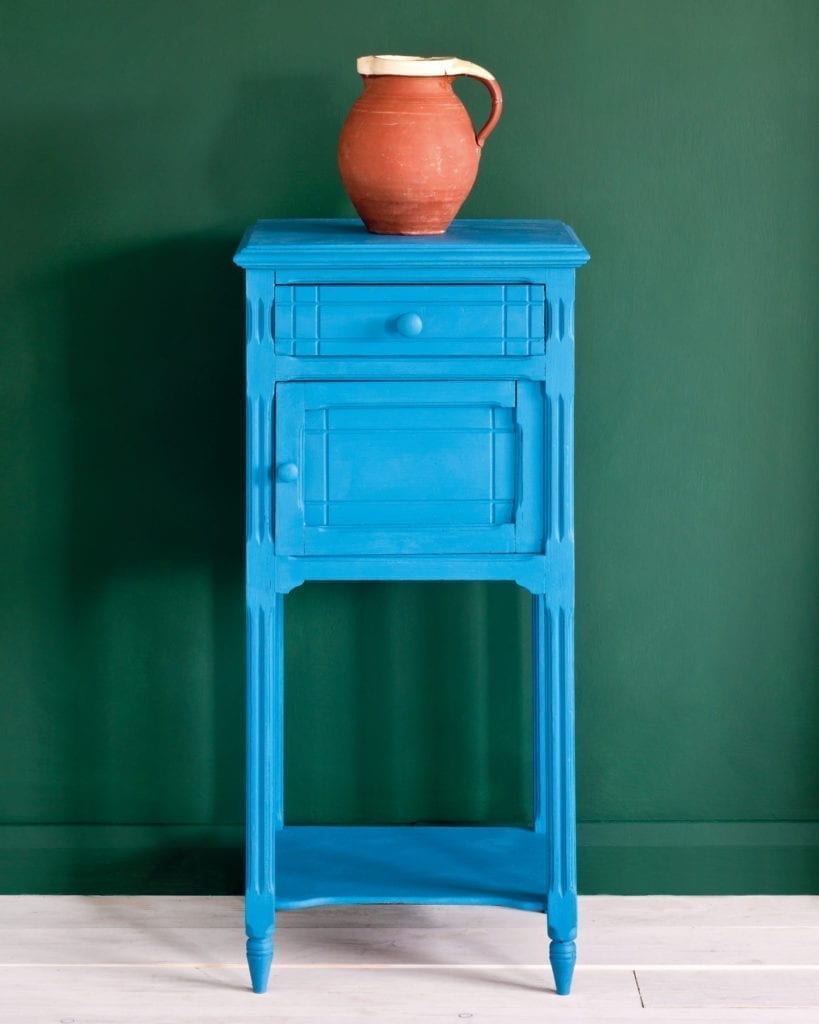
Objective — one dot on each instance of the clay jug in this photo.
(408, 153)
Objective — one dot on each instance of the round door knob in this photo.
(409, 324)
(287, 472)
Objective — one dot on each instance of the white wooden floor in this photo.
(180, 960)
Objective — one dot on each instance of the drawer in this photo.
(424, 467)
(409, 320)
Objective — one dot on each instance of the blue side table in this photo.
(409, 417)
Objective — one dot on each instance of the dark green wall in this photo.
(138, 140)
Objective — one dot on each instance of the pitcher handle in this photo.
(466, 67)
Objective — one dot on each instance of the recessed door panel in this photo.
(406, 467)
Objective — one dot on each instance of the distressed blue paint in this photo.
(410, 416)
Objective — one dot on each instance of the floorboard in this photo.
(145, 960)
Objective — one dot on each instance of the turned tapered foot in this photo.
(259, 958)
(562, 956)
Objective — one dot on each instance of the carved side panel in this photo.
(555, 812)
(259, 455)
(559, 412)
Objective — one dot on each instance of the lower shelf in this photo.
(320, 864)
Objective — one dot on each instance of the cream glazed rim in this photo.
(419, 67)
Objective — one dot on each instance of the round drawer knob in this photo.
(409, 324)
(287, 472)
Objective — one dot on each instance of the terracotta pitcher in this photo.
(408, 153)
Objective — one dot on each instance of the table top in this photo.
(292, 241)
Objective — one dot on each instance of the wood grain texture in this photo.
(146, 960)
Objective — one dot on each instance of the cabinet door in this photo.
(422, 467)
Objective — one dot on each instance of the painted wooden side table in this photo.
(409, 417)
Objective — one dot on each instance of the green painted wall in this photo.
(137, 141)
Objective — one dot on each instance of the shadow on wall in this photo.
(277, 150)
(156, 391)
(156, 349)
(135, 356)
(155, 524)
(154, 528)
(151, 707)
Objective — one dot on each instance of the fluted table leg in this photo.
(264, 663)
(554, 679)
